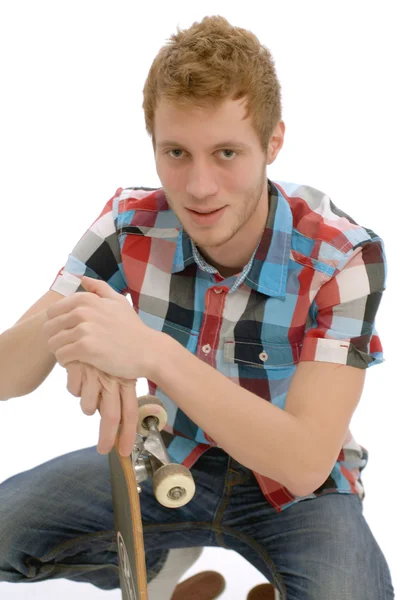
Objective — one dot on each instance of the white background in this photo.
(72, 132)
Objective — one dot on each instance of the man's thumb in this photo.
(97, 286)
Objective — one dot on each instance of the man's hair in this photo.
(210, 62)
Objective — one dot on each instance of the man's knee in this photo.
(15, 529)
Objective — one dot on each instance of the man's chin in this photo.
(208, 239)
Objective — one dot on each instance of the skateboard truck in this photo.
(173, 484)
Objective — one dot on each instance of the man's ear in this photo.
(276, 142)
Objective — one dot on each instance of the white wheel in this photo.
(173, 485)
(150, 406)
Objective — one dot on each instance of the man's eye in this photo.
(226, 150)
(175, 150)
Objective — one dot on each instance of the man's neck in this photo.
(231, 258)
(223, 271)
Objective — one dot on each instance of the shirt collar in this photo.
(267, 271)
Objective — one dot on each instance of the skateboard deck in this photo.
(128, 526)
(173, 486)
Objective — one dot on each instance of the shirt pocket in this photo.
(260, 354)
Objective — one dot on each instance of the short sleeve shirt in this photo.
(310, 292)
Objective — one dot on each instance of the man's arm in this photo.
(25, 359)
(297, 446)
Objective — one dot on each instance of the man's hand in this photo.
(104, 345)
(103, 330)
(116, 400)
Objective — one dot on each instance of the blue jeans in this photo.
(56, 521)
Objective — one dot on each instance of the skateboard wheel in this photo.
(173, 485)
(146, 408)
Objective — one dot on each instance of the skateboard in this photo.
(173, 486)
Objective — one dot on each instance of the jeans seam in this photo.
(220, 529)
(264, 556)
(60, 567)
(241, 478)
(56, 550)
(215, 526)
(218, 516)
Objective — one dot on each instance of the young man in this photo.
(254, 322)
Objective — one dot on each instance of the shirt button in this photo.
(206, 348)
(218, 290)
(263, 356)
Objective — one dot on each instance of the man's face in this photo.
(214, 163)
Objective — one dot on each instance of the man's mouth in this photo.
(205, 212)
(206, 217)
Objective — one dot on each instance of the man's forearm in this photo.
(25, 360)
(258, 434)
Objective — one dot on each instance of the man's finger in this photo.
(110, 412)
(129, 418)
(91, 388)
(67, 304)
(74, 378)
(99, 287)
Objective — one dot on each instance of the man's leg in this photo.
(318, 548)
(56, 521)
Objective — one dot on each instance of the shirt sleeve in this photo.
(96, 255)
(341, 327)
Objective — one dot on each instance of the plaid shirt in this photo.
(309, 293)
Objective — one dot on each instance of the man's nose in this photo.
(201, 181)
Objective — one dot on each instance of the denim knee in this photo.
(13, 569)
